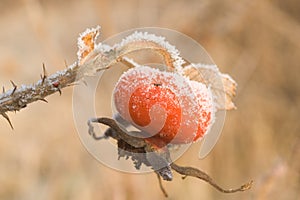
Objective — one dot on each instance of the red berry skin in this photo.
(145, 97)
(165, 105)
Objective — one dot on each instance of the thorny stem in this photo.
(92, 60)
(139, 142)
(19, 97)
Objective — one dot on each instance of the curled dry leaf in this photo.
(86, 43)
(222, 85)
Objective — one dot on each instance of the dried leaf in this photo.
(146, 41)
(86, 43)
(223, 87)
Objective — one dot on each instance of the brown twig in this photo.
(161, 186)
(140, 143)
(190, 171)
(120, 134)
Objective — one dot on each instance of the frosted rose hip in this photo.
(164, 104)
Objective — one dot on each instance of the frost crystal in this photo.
(101, 48)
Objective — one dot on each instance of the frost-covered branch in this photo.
(19, 97)
(92, 57)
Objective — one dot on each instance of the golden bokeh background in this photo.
(256, 41)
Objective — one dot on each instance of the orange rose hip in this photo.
(164, 104)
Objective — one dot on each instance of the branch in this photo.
(161, 186)
(142, 146)
(92, 58)
(190, 171)
(118, 134)
(19, 97)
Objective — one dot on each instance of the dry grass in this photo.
(256, 41)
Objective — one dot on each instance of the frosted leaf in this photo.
(102, 48)
(86, 43)
(95, 57)
(144, 40)
(230, 89)
(223, 87)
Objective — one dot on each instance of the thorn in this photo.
(44, 100)
(66, 64)
(7, 118)
(43, 79)
(59, 91)
(57, 86)
(44, 70)
(15, 87)
(13, 83)
(45, 74)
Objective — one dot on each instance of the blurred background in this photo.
(257, 42)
